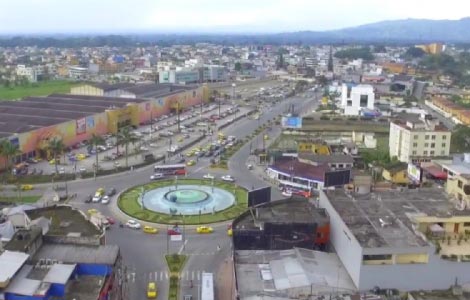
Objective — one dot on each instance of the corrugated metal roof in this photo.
(106, 255)
(10, 263)
(59, 273)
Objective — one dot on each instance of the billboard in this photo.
(414, 173)
(80, 126)
(337, 178)
(291, 122)
(259, 196)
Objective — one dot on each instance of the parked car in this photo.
(105, 200)
(150, 229)
(111, 192)
(228, 178)
(208, 176)
(152, 290)
(174, 231)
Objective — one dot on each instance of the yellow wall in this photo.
(400, 177)
(314, 148)
(448, 223)
(417, 258)
(453, 189)
(86, 89)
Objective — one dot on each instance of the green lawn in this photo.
(23, 199)
(36, 89)
(175, 264)
(128, 204)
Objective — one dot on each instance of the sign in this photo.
(337, 178)
(259, 196)
(90, 122)
(176, 237)
(80, 126)
(291, 122)
(415, 173)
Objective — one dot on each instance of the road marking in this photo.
(182, 246)
(198, 275)
(166, 275)
(156, 275)
(192, 275)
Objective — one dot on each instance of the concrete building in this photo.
(77, 72)
(402, 239)
(415, 138)
(179, 76)
(33, 74)
(214, 73)
(357, 99)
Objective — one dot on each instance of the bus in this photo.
(207, 286)
(178, 169)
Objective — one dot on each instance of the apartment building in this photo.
(181, 76)
(355, 100)
(418, 137)
(33, 74)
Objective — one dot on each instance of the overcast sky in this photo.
(185, 16)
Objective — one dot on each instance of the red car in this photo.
(110, 220)
(174, 231)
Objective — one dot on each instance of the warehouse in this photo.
(33, 122)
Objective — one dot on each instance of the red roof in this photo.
(435, 172)
(299, 169)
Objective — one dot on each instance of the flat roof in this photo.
(293, 210)
(382, 219)
(320, 158)
(106, 254)
(59, 273)
(85, 288)
(274, 273)
(10, 263)
(23, 238)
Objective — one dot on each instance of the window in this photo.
(426, 144)
(377, 257)
(363, 100)
(349, 103)
(349, 92)
(433, 137)
(466, 224)
(444, 137)
(415, 145)
(433, 145)
(459, 184)
(414, 153)
(426, 137)
(425, 152)
(432, 152)
(415, 137)
(443, 145)
(443, 152)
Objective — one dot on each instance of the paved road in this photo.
(144, 254)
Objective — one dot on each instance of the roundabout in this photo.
(189, 201)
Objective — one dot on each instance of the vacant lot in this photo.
(35, 89)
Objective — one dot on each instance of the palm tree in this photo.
(57, 147)
(126, 137)
(8, 151)
(95, 141)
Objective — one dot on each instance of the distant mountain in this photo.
(409, 30)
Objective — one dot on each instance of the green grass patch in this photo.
(175, 264)
(128, 203)
(36, 89)
(22, 199)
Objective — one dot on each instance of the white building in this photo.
(33, 74)
(77, 72)
(354, 99)
(214, 73)
(418, 138)
(384, 239)
(179, 76)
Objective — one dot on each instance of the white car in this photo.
(133, 224)
(208, 176)
(143, 148)
(105, 200)
(157, 176)
(228, 178)
(62, 170)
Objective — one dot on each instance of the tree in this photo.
(415, 52)
(300, 85)
(95, 141)
(238, 66)
(126, 137)
(460, 141)
(8, 151)
(355, 53)
(57, 147)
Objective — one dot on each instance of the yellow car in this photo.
(92, 211)
(100, 191)
(80, 156)
(150, 229)
(230, 232)
(190, 163)
(52, 161)
(204, 229)
(27, 187)
(152, 290)
(189, 154)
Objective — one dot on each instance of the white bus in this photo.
(207, 286)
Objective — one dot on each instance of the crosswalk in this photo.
(186, 275)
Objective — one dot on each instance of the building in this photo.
(214, 73)
(31, 123)
(33, 74)
(78, 73)
(334, 161)
(180, 76)
(317, 147)
(415, 138)
(355, 100)
(458, 178)
(433, 48)
(281, 225)
(66, 260)
(399, 239)
(396, 173)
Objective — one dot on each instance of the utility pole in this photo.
(219, 107)
(178, 115)
(167, 241)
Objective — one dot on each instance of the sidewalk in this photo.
(225, 281)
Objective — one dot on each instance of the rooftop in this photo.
(10, 263)
(85, 288)
(106, 254)
(414, 122)
(293, 167)
(320, 159)
(65, 220)
(287, 272)
(295, 210)
(23, 238)
(382, 219)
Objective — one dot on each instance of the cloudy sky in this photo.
(185, 16)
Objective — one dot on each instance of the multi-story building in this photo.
(407, 240)
(214, 73)
(415, 138)
(355, 100)
(33, 74)
(181, 76)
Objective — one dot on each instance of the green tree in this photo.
(415, 52)
(95, 141)
(238, 66)
(460, 141)
(355, 53)
(57, 147)
(126, 137)
(8, 151)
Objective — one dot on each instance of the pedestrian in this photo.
(218, 247)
